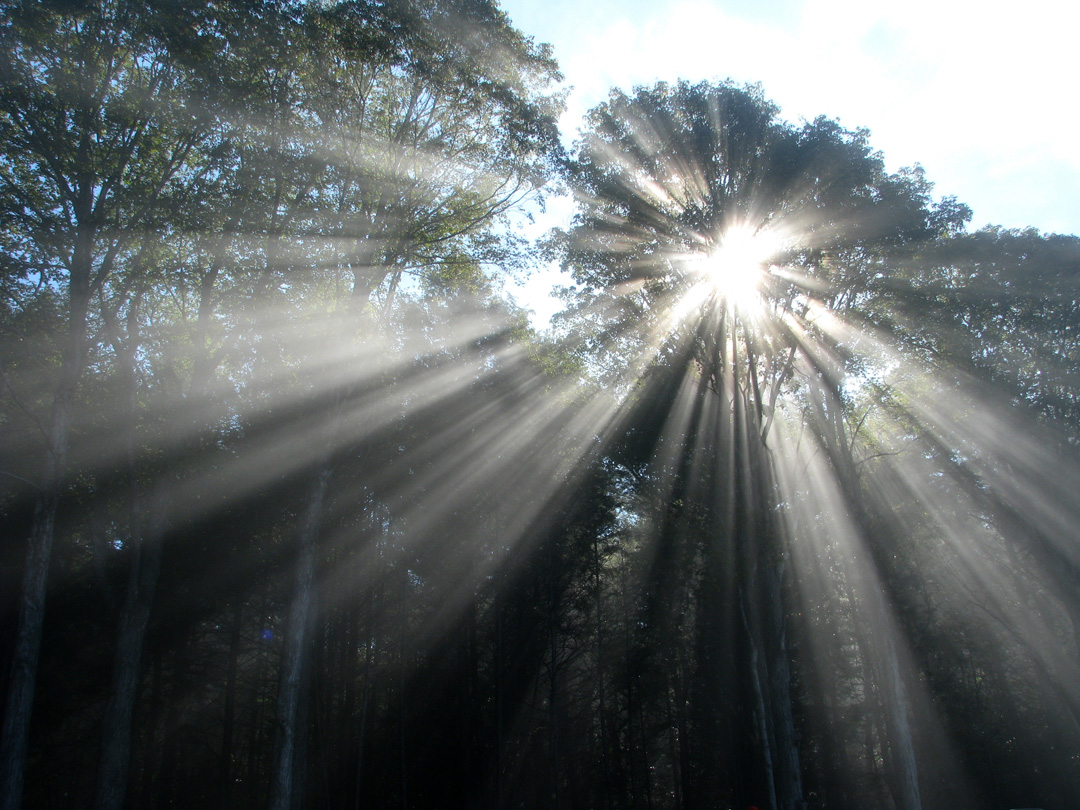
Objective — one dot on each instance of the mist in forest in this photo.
(300, 512)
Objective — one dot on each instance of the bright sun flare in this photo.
(736, 267)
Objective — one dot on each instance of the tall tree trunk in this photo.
(295, 650)
(631, 754)
(786, 763)
(20, 697)
(759, 540)
(553, 680)
(164, 794)
(403, 671)
(135, 616)
(15, 735)
(500, 696)
(256, 796)
(673, 731)
(901, 763)
(365, 702)
(903, 771)
(229, 723)
(149, 734)
(146, 520)
(787, 771)
(601, 676)
(755, 668)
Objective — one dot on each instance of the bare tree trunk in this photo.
(255, 796)
(890, 679)
(20, 698)
(149, 733)
(166, 787)
(403, 669)
(902, 769)
(500, 698)
(553, 725)
(135, 616)
(674, 731)
(146, 520)
(762, 709)
(365, 701)
(786, 764)
(229, 725)
(14, 737)
(295, 649)
(628, 667)
(759, 538)
(601, 708)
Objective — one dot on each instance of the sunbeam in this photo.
(779, 514)
(873, 454)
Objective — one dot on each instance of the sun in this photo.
(736, 268)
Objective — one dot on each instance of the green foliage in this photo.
(998, 304)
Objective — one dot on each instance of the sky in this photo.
(983, 95)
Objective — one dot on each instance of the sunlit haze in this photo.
(772, 505)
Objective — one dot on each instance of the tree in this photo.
(684, 191)
(98, 118)
(431, 137)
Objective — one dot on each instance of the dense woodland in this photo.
(300, 512)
